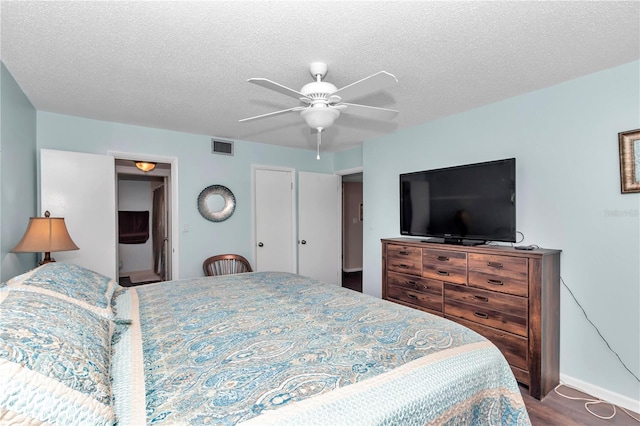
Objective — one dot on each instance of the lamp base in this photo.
(47, 258)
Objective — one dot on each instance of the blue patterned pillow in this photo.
(54, 361)
(72, 283)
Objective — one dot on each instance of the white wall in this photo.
(135, 195)
(565, 141)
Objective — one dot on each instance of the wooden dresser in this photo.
(510, 296)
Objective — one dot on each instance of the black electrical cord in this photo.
(598, 331)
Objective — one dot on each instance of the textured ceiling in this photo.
(183, 65)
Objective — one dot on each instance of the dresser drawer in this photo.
(501, 311)
(514, 348)
(483, 299)
(505, 274)
(410, 282)
(407, 260)
(432, 299)
(449, 266)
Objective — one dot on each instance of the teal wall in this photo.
(197, 169)
(565, 141)
(348, 159)
(17, 174)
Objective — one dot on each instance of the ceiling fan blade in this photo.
(375, 82)
(298, 108)
(369, 111)
(272, 85)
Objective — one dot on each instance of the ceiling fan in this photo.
(321, 102)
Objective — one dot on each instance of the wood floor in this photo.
(352, 280)
(555, 410)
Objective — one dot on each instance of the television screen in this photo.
(470, 202)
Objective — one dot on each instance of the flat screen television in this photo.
(469, 204)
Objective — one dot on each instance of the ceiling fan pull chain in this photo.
(319, 140)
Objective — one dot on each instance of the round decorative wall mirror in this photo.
(216, 203)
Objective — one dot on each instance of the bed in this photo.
(262, 348)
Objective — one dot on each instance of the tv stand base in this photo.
(455, 241)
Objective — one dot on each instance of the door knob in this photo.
(260, 244)
(303, 242)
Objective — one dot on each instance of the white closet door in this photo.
(274, 219)
(81, 188)
(320, 226)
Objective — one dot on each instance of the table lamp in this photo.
(45, 234)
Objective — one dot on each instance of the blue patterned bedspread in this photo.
(277, 348)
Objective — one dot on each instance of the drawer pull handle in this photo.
(404, 253)
(443, 273)
(402, 265)
(481, 315)
(481, 298)
(413, 283)
(495, 282)
(443, 258)
(412, 296)
(495, 264)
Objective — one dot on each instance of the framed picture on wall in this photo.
(629, 145)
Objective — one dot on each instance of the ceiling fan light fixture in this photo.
(318, 89)
(321, 102)
(145, 166)
(320, 117)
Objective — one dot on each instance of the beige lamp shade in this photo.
(45, 234)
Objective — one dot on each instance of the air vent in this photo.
(221, 147)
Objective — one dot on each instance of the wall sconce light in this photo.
(45, 234)
(145, 166)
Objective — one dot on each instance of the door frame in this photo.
(294, 216)
(342, 173)
(172, 182)
(351, 171)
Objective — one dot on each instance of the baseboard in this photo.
(604, 394)
(351, 269)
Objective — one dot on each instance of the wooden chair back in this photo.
(224, 264)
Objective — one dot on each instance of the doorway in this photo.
(352, 229)
(69, 179)
(143, 223)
